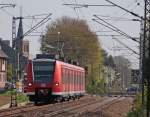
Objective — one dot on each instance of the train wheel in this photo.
(73, 97)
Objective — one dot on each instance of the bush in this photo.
(138, 110)
(22, 98)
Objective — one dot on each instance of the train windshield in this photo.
(43, 71)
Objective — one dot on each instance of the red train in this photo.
(50, 79)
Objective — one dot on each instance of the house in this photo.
(3, 69)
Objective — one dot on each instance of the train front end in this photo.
(40, 80)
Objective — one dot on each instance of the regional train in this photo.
(49, 79)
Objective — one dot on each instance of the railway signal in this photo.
(135, 76)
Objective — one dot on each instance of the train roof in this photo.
(44, 59)
(69, 65)
(60, 62)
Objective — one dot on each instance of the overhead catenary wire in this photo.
(47, 18)
(132, 13)
(87, 5)
(116, 30)
(117, 18)
(125, 45)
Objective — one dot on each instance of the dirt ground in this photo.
(119, 109)
(4, 100)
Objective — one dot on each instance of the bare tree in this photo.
(123, 67)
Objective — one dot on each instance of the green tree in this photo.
(78, 42)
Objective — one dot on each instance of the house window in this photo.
(3, 61)
(4, 78)
(3, 65)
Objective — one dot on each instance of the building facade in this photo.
(3, 69)
(25, 48)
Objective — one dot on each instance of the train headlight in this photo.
(29, 84)
(56, 84)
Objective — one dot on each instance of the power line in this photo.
(87, 5)
(117, 18)
(132, 13)
(47, 18)
(125, 45)
(113, 28)
(7, 5)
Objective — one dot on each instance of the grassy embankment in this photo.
(5, 97)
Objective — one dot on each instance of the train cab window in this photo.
(43, 71)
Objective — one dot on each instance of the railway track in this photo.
(79, 110)
(87, 105)
(101, 111)
(13, 112)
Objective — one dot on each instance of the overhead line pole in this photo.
(146, 51)
(145, 47)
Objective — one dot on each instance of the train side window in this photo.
(75, 77)
(62, 75)
(66, 76)
(83, 78)
(80, 78)
(72, 76)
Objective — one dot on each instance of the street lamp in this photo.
(58, 40)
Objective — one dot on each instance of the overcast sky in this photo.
(35, 7)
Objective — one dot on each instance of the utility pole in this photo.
(145, 48)
(146, 51)
(141, 63)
